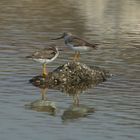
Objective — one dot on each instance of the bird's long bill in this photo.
(28, 57)
(58, 38)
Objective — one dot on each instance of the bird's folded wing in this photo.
(76, 41)
(43, 54)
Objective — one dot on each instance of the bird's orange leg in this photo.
(75, 56)
(78, 56)
(44, 71)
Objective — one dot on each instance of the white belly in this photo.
(46, 61)
(79, 48)
(43, 60)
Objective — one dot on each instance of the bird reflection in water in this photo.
(76, 110)
(43, 104)
(40, 82)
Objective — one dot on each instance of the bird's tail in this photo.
(94, 45)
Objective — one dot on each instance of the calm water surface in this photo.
(26, 25)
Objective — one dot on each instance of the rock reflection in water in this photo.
(70, 89)
(75, 90)
(76, 110)
(72, 79)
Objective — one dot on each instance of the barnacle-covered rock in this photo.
(72, 78)
(71, 73)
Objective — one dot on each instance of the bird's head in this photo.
(65, 34)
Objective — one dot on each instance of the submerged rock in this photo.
(71, 73)
(75, 112)
(42, 106)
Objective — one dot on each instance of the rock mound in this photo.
(71, 73)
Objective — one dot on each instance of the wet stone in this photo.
(75, 112)
(42, 106)
(72, 73)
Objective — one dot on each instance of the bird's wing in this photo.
(76, 41)
(46, 53)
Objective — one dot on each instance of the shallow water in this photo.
(27, 25)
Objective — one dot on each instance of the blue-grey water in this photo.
(27, 25)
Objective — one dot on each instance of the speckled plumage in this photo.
(45, 55)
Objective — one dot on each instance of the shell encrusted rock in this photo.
(72, 73)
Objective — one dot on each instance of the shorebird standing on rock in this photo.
(76, 43)
(45, 56)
